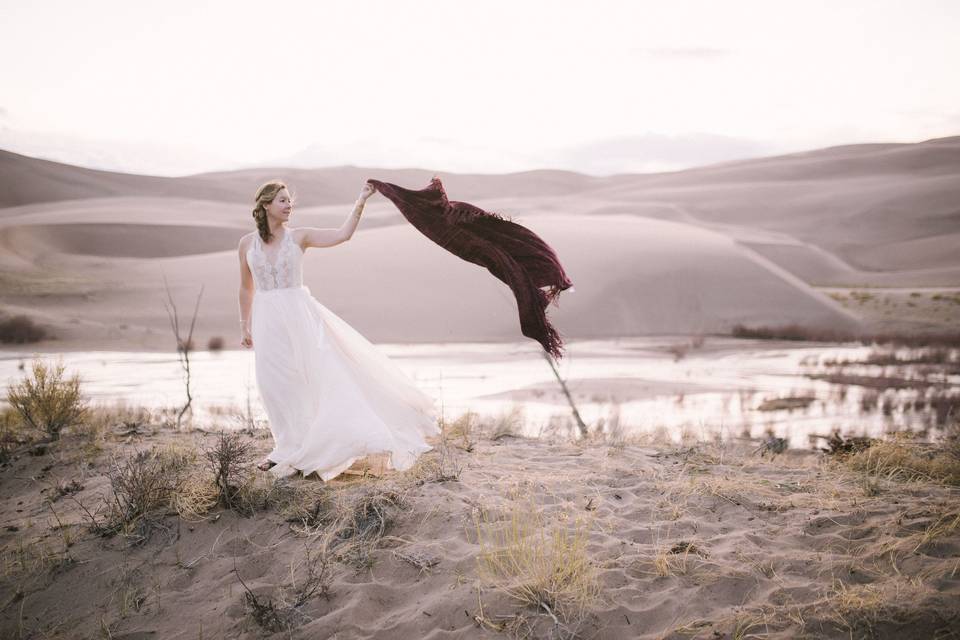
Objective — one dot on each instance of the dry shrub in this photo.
(48, 402)
(901, 458)
(215, 343)
(229, 459)
(791, 331)
(142, 489)
(541, 566)
(795, 331)
(20, 329)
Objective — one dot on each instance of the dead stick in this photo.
(563, 385)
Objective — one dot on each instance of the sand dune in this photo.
(634, 276)
(29, 180)
(696, 250)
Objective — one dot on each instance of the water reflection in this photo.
(724, 386)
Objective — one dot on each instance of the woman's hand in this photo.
(246, 340)
(368, 190)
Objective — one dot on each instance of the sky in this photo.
(599, 87)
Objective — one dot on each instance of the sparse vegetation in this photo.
(788, 403)
(284, 611)
(508, 424)
(462, 431)
(228, 460)
(440, 465)
(142, 487)
(903, 458)
(950, 339)
(545, 567)
(47, 401)
(700, 518)
(361, 521)
(21, 329)
(12, 433)
(184, 342)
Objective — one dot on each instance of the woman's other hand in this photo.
(246, 340)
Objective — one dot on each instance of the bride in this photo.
(331, 396)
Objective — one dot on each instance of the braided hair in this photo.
(265, 195)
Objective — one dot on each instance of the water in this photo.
(660, 385)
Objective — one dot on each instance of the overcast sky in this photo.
(601, 87)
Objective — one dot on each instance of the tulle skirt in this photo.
(331, 396)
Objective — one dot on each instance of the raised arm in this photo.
(315, 237)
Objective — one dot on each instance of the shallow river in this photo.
(645, 385)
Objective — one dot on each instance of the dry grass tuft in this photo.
(544, 567)
(901, 543)
(13, 433)
(308, 505)
(195, 497)
(352, 521)
(440, 465)
(902, 458)
(117, 419)
(865, 607)
(462, 431)
(24, 559)
(508, 424)
(368, 515)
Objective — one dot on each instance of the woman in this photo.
(330, 395)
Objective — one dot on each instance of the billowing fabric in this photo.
(511, 252)
(330, 395)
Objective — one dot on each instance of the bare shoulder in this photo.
(245, 240)
(297, 234)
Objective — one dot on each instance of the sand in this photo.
(705, 541)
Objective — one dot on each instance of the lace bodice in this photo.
(281, 268)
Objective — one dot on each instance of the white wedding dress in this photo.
(330, 395)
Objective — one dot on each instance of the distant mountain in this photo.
(29, 180)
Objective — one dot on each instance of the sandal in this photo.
(266, 464)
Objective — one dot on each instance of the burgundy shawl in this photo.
(511, 252)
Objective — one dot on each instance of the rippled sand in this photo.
(705, 541)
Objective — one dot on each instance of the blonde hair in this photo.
(265, 195)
